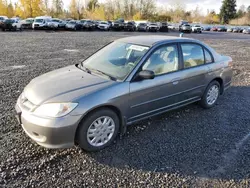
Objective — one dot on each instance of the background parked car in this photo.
(12, 24)
(142, 27)
(207, 28)
(129, 26)
(152, 27)
(53, 23)
(164, 27)
(230, 29)
(236, 30)
(182, 22)
(118, 25)
(221, 29)
(246, 31)
(186, 28)
(88, 25)
(104, 26)
(172, 27)
(73, 25)
(27, 24)
(62, 24)
(214, 29)
(196, 29)
(2, 18)
(41, 22)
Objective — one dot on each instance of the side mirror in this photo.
(146, 74)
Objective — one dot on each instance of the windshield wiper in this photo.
(105, 74)
(82, 67)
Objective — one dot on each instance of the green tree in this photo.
(92, 5)
(227, 11)
(57, 8)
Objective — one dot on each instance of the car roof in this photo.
(151, 40)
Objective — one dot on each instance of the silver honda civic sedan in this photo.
(126, 81)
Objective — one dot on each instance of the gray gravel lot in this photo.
(189, 147)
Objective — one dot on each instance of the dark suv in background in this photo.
(118, 25)
(164, 27)
(130, 26)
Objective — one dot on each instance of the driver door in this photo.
(149, 97)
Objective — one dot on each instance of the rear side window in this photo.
(192, 55)
(208, 57)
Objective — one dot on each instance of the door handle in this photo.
(175, 81)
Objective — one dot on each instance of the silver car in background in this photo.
(126, 81)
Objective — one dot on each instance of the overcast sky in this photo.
(189, 4)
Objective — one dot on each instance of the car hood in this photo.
(60, 82)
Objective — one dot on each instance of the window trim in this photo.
(203, 49)
(154, 50)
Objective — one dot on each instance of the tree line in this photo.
(127, 9)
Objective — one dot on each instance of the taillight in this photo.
(230, 64)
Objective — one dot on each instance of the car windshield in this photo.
(153, 24)
(39, 20)
(142, 24)
(103, 23)
(116, 60)
(72, 22)
(29, 21)
(55, 20)
(9, 21)
(196, 26)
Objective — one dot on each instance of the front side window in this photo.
(116, 60)
(192, 55)
(163, 60)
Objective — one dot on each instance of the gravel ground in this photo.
(189, 147)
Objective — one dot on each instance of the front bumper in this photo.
(49, 132)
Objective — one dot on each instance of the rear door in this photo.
(195, 71)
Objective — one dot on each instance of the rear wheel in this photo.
(98, 130)
(211, 95)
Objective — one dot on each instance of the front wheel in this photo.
(98, 130)
(211, 95)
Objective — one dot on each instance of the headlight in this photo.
(55, 109)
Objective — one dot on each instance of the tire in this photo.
(205, 102)
(84, 127)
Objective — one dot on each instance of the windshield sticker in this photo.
(138, 48)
